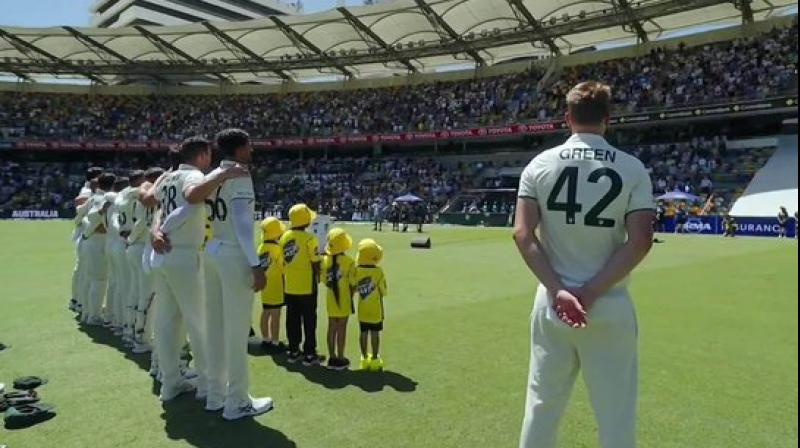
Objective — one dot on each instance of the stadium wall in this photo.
(420, 78)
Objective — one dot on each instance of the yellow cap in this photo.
(272, 229)
(300, 215)
(339, 241)
(369, 252)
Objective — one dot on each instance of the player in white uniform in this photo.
(94, 250)
(178, 272)
(134, 232)
(583, 223)
(127, 283)
(81, 208)
(233, 273)
(118, 284)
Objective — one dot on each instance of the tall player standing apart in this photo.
(234, 273)
(94, 250)
(583, 223)
(178, 275)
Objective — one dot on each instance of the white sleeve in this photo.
(243, 227)
(527, 182)
(178, 216)
(81, 210)
(139, 226)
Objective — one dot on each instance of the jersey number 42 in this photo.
(569, 179)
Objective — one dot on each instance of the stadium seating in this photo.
(747, 68)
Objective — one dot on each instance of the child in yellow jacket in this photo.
(269, 252)
(336, 273)
(369, 283)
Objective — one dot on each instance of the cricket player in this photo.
(138, 253)
(81, 208)
(94, 250)
(233, 274)
(583, 223)
(119, 287)
(178, 271)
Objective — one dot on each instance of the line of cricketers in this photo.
(161, 219)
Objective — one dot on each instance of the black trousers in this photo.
(301, 322)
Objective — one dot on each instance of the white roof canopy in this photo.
(370, 41)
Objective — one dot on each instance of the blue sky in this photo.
(76, 12)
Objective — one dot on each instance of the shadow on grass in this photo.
(104, 336)
(186, 420)
(367, 381)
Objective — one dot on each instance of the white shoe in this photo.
(257, 406)
(141, 348)
(118, 331)
(2, 388)
(214, 406)
(184, 387)
(188, 373)
(254, 340)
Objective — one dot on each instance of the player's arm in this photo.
(139, 226)
(177, 217)
(197, 192)
(242, 221)
(625, 259)
(528, 217)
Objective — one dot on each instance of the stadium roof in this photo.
(383, 40)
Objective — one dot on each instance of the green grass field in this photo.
(718, 343)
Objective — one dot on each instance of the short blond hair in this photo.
(589, 103)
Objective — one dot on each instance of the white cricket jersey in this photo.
(585, 188)
(218, 205)
(112, 221)
(94, 218)
(124, 209)
(170, 193)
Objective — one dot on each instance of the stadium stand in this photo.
(747, 68)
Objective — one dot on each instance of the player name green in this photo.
(603, 155)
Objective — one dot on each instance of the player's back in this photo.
(585, 189)
(169, 192)
(219, 205)
(298, 248)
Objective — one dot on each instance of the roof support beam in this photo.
(360, 26)
(96, 45)
(747, 10)
(537, 27)
(28, 48)
(169, 48)
(294, 36)
(625, 6)
(229, 42)
(441, 23)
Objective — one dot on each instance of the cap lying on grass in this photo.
(24, 416)
(29, 382)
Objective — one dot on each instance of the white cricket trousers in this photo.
(179, 286)
(79, 287)
(119, 296)
(141, 292)
(94, 253)
(606, 354)
(229, 311)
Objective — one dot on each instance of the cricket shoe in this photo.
(376, 365)
(184, 387)
(256, 407)
(141, 348)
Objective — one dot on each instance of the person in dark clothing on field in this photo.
(394, 216)
(421, 212)
(660, 217)
(783, 222)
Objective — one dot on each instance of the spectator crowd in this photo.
(746, 68)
